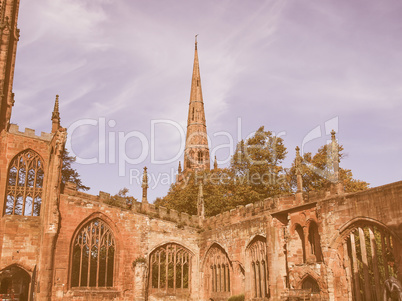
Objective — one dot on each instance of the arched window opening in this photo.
(217, 262)
(14, 281)
(372, 257)
(170, 269)
(200, 157)
(93, 256)
(24, 185)
(192, 114)
(311, 284)
(299, 231)
(259, 272)
(314, 241)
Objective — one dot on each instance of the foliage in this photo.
(69, 174)
(139, 260)
(256, 173)
(183, 195)
(317, 172)
(237, 298)
(256, 166)
(121, 199)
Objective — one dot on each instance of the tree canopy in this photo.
(69, 174)
(256, 173)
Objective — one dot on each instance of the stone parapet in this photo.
(14, 129)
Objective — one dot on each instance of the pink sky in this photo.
(288, 65)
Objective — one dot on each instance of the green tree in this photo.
(257, 169)
(255, 174)
(183, 195)
(317, 172)
(69, 174)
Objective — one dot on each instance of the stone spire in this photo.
(215, 164)
(9, 36)
(200, 202)
(145, 186)
(56, 116)
(196, 153)
(179, 169)
(335, 156)
(298, 170)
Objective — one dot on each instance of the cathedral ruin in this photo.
(57, 243)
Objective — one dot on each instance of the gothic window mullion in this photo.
(108, 242)
(94, 239)
(17, 177)
(159, 270)
(34, 189)
(167, 270)
(182, 271)
(98, 257)
(81, 253)
(89, 242)
(228, 269)
(174, 269)
(24, 196)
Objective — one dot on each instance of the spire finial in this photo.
(56, 115)
(179, 169)
(145, 186)
(298, 170)
(196, 41)
(333, 135)
(215, 164)
(335, 156)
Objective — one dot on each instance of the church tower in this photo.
(9, 35)
(196, 153)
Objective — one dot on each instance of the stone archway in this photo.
(15, 283)
(368, 254)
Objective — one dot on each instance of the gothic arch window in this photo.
(257, 252)
(192, 114)
(311, 284)
(15, 281)
(314, 241)
(170, 269)
(200, 157)
(24, 184)
(300, 233)
(372, 256)
(93, 255)
(217, 269)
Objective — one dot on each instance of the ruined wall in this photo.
(20, 236)
(282, 224)
(290, 260)
(136, 235)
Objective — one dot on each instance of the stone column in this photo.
(140, 281)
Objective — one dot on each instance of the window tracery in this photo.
(170, 269)
(218, 272)
(200, 157)
(259, 272)
(24, 185)
(372, 256)
(93, 256)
